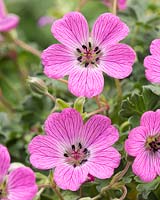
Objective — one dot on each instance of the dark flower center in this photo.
(76, 155)
(88, 55)
(153, 143)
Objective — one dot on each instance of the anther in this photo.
(97, 59)
(78, 50)
(93, 63)
(89, 44)
(96, 49)
(80, 146)
(83, 161)
(98, 52)
(73, 147)
(86, 64)
(65, 154)
(79, 58)
(85, 151)
(84, 47)
(74, 165)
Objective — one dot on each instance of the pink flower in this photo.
(18, 184)
(144, 143)
(7, 21)
(85, 59)
(152, 62)
(45, 20)
(122, 4)
(75, 150)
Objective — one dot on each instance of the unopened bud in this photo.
(37, 85)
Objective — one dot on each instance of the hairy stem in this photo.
(117, 178)
(97, 111)
(51, 97)
(26, 47)
(117, 82)
(56, 190)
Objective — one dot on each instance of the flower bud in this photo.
(37, 85)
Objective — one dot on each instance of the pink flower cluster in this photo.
(76, 151)
(7, 21)
(84, 58)
(18, 184)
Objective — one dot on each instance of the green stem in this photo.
(51, 97)
(119, 88)
(114, 180)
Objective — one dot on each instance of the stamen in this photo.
(79, 51)
(86, 64)
(74, 165)
(97, 59)
(90, 45)
(79, 58)
(98, 52)
(73, 147)
(80, 146)
(84, 47)
(96, 49)
(92, 63)
(83, 161)
(65, 154)
(85, 150)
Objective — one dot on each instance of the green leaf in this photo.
(62, 104)
(79, 103)
(136, 104)
(146, 188)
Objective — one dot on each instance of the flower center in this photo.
(153, 143)
(76, 155)
(3, 190)
(88, 55)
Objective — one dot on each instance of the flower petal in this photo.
(72, 30)
(9, 22)
(108, 29)
(122, 4)
(99, 132)
(87, 82)
(2, 9)
(136, 140)
(21, 184)
(157, 162)
(4, 162)
(65, 126)
(45, 152)
(69, 178)
(152, 65)
(58, 61)
(151, 120)
(102, 162)
(118, 60)
(155, 47)
(143, 166)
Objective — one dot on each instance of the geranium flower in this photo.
(7, 21)
(85, 59)
(75, 150)
(122, 4)
(144, 143)
(45, 20)
(152, 62)
(18, 184)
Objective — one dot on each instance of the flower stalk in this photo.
(115, 183)
(117, 82)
